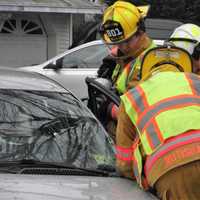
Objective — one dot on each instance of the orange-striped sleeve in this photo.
(125, 136)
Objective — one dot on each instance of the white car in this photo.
(72, 67)
(52, 147)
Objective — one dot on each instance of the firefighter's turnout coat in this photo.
(159, 126)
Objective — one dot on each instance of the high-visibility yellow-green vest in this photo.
(126, 74)
(165, 105)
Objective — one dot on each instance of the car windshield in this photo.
(51, 127)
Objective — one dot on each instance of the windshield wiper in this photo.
(105, 167)
(109, 169)
(33, 166)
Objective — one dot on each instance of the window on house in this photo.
(21, 26)
(30, 27)
(9, 26)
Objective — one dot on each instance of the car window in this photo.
(88, 57)
(51, 127)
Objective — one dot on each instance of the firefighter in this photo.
(187, 36)
(123, 30)
(158, 131)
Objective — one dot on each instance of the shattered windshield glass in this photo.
(51, 127)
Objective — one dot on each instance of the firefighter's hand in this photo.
(107, 67)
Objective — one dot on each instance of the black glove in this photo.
(107, 67)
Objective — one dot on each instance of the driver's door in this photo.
(72, 69)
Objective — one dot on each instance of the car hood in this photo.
(53, 187)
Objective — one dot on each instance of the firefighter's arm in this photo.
(125, 136)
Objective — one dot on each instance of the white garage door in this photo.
(22, 42)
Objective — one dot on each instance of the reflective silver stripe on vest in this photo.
(138, 99)
(151, 131)
(167, 104)
(163, 149)
(195, 82)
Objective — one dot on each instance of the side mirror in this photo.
(50, 66)
(55, 65)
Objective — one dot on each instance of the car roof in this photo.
(17, 79)
(92, 43)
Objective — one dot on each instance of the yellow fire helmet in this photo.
(121, 21)
(165, 58)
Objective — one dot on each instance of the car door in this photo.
(72, 69)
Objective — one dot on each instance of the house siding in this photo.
(57, 17)
(58, 32)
